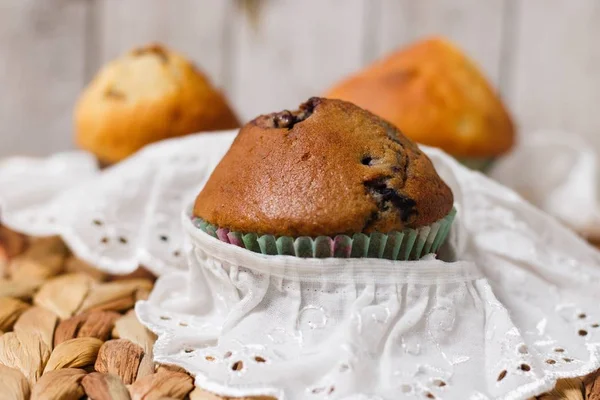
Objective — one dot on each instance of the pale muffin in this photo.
(436, 96)
(150, 94)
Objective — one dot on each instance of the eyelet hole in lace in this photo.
(182, 323)
(525, 367)
(259, 359)
(502, 375)
(439, 383)
(595, 325)
(189, 350)
(582, 332)
(165, 318)
(104, 240)
(97, 222)
(429, 395)
(176, 253)
(567, 359)
(582, 316)
(237, 366)
(559, 350)
(550, 361)
(227, 355)
(123, 240)
(209, 358)
(522, 348)
(164, 238)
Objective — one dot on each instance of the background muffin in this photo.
(327, 169)
(150, 94)
(436, 96)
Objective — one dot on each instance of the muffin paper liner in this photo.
(481, 164)
(408, 244)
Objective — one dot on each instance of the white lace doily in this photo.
(558, 172)
(119, 218)
(519, 311)
(29, 185)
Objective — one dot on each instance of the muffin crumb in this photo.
(288, 119)
(155, 49)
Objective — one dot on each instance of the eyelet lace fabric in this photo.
(29, 187)
(518, 311)
(558, 172)
(121, 217)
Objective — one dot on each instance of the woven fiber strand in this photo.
(68, 330)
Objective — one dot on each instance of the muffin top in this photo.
(437, 96)
(328, 168)
(149, 94)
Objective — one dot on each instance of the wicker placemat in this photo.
(68, 331)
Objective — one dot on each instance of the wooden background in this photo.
(544, 55)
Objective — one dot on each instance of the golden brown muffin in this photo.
(436, 96)
(148, 95)
(328, 168)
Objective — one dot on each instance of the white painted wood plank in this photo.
(295, 51)
(41, 73)
(555, 74)
(474, 25)
(193, 27)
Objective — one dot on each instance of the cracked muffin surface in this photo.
(328, 168)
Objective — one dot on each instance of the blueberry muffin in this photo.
(436, 96)
(150, 94)
(329, 176)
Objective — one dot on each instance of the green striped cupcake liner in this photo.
(408, 244)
